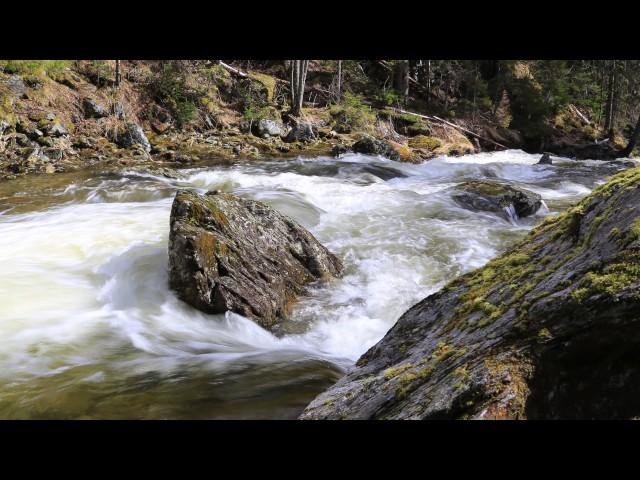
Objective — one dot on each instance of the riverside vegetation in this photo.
(57, 116)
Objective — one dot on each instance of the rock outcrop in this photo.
(93, 109)
(496, 197)
(549, 330)
(229, 253)
(269, 128)
(301, 132)
(134, 135)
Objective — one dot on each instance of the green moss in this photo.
(405, 383)
(614, 233)
(544, 335)
(425, 142)
(461, 374)
(392, 372)
(634, 230)
(442, 351)
(267, 81)
(425, 372)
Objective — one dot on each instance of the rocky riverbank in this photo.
(65, 116)
(547, 330)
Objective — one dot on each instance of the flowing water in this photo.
(89, 329)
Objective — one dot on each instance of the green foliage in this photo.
(528, 107)
(254, 112)
(351, 114)
(170, 89)
(253, 99)
(34, 67)
(387, 97)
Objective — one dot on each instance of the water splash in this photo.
(511, 214)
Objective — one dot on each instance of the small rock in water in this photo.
(513, 202)
(372, 146)
(545, 159)
(340, 150)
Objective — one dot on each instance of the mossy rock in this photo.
(267, 81)
(425, 142)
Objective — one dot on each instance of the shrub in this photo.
(351, 114)
(169, 89)
(387, 97)
(252, 98)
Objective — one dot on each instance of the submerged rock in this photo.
(548, 330)
(496, 197)
(338, 150)
(229, 253)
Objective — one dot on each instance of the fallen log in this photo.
(453, 125)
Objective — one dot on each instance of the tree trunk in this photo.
(401, 78)
(632, 140)
(339, 80)
(611, 103)
(117, 73)
(298, 79)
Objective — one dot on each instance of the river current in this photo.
(89, 328)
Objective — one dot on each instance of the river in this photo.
(89, 328)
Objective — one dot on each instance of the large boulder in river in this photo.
(229, 253)
(496, 197)
(549, 330)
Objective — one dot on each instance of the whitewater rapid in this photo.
(89, 329)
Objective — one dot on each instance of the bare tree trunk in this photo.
(428, 79)
(117, 73)
(339, 80)
(611, 103)
(298, 79)
(401, 78)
